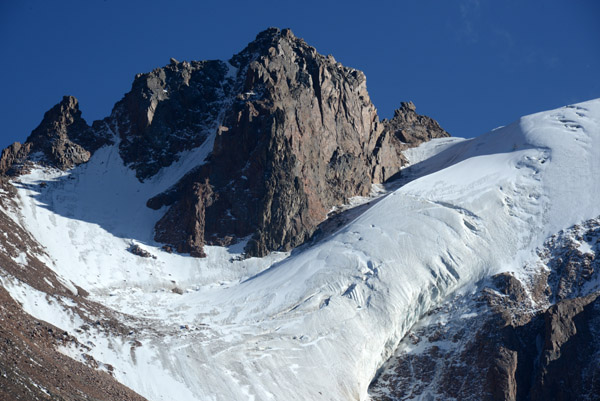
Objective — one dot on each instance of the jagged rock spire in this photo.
(62, 140)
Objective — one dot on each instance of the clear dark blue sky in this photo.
(471, 64)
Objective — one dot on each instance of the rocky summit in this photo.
(299, 136)
(294, 134)
(62, 140)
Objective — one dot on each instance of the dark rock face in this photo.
(411, 128)
(12, 161)
(300, 136)
(568, 365)
(184, 223)
(566, 368)
(572, 269)
(555, 345)
(62, 140)
(294, 142)
(534, 340)
(302, 144)
(167, 111)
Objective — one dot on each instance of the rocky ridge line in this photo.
(295, 135)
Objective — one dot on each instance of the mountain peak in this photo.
(274, 33)
(62, 114)
(405, 106)
(69, 102)
(293, 134)
(300, 137)
(412, 128)
(60, 140)
(264, 44)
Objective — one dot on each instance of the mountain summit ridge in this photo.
(295, 135)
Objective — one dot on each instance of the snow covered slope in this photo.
(319, 322)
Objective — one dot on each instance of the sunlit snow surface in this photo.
(318, 323)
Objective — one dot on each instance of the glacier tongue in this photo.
(319, 322)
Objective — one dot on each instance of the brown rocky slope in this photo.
(31, 365)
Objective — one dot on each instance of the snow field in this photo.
(318, 323)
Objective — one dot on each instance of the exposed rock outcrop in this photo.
(405, 130)
(12, 161)
(295, 135)
(184, 223)
(62, 140)
(530, 340)
(169, 110)
(568, 365)
(300, 137)
(411, 128)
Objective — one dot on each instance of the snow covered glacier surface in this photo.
(319, 322)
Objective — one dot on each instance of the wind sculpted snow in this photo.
(319, 322)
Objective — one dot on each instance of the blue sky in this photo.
(471, 64)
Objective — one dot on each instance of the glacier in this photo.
(317, 322)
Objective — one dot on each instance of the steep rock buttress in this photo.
(300, 136)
